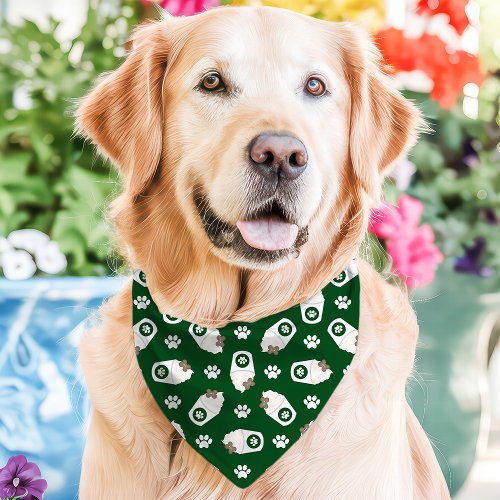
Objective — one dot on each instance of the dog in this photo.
(252, 113)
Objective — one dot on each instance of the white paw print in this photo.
(338, 328)
(242, 411)
(141, 302)
(212, 371)
(345, 369)
(173, 402)
(342, 302)
(280, 441)
(312, 402)
(272, 371)
(311, 341)
(172, 341)
(242, 471)
(242, 332)
(312, 313)
(203, 440)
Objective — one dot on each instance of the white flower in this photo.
(50, 259)
(18, 265)
(28, 239)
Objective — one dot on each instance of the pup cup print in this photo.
(277, 336)
(277, 407)
(171, 320)
(206, 407)
(209, 339)
(347, 274)
(242, 371)
(312, 309)
(171, 372)
(344, 334)
(140, 277)
(144, 331)
(242, 441)
(311, 371)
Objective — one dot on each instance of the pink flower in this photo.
(186, 7)
(412, 249)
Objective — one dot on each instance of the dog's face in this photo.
(249, 129)
(257, 110)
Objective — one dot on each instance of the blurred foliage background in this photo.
(53, 182)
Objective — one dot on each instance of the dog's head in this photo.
(255, 135)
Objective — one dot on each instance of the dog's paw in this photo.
(212, 371)
(203, 441)
(172, 341)
(242, 411)
(272, 371)
(342, 302)
(312, 402)
(173, 402)
(280, 441)
(141, 302)
(242, 332)
(311, 341)
(242, 471)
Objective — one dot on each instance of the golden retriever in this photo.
(190, 118)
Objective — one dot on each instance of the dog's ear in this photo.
(383, 124)
(122, 114)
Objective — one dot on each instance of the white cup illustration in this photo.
(278, 335)
(311, 371)
(206, 407)
(347, 274)
(344, 334)
(140, 277)
(277, 407)
(242, 370)
(209, 339)
(178, 428)
(172, 320)
(171, 371)
(312, 308)
(243, 441)
(144, 331)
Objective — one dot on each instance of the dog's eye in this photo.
(315, 86)
(212, 82)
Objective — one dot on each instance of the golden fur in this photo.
(169, 142)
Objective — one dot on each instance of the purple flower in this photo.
(471, 261)
(20, 478)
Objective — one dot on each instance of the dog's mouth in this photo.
(268, 233)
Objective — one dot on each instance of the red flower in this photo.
(449, 71)
(454, 9)
(185, 7)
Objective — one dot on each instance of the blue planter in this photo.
(42, 401)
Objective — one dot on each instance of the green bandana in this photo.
(243, 394)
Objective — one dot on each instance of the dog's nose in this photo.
(281, 155)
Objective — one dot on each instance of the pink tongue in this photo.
(268, 233)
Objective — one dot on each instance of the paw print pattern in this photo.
(242, 471)
(173, 402)
(311, 402)
(212, 371)
(311, 341)
(342, 302)
(345, 369)
(280, 441)
(242, 332)
(242, 411)
(141, 302)
(272, 371)
(203, 440)
(172, 341)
